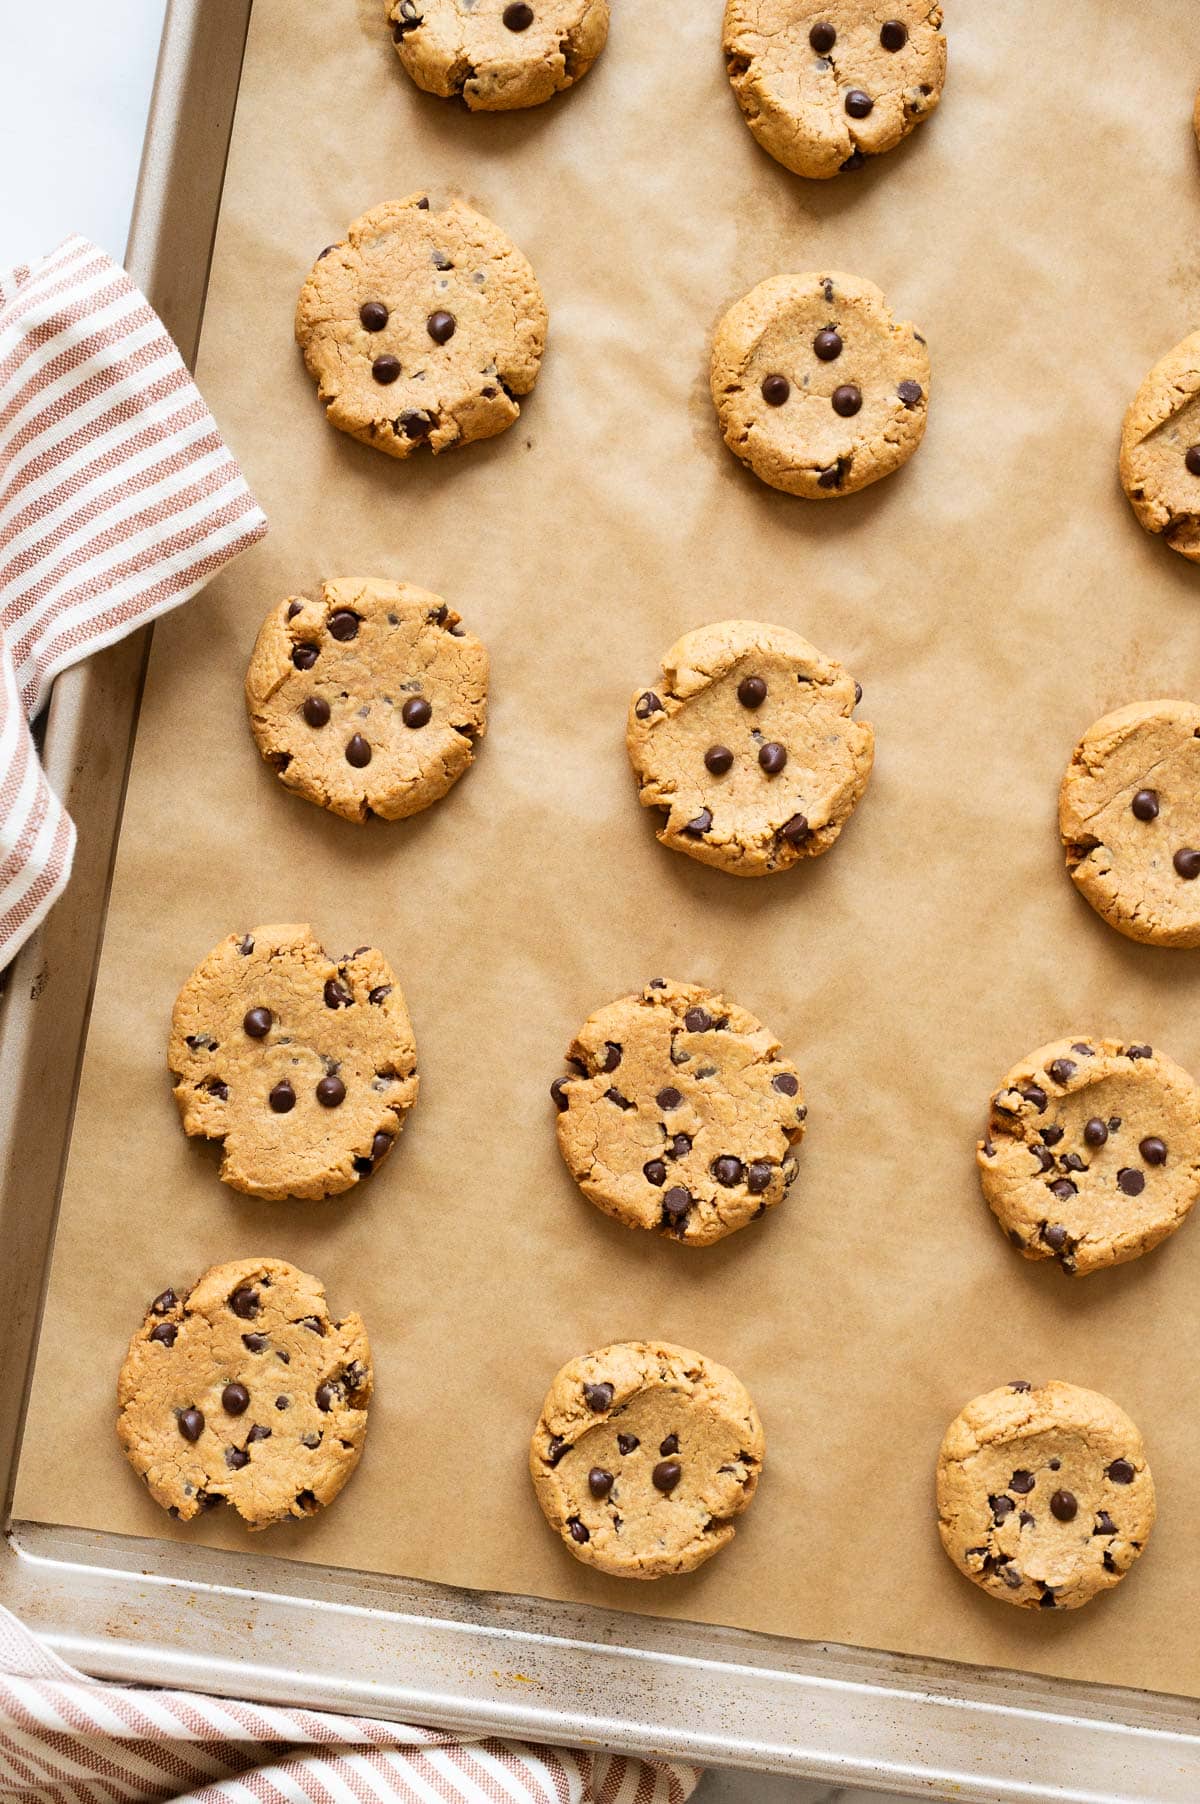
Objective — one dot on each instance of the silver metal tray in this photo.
(269, 1629)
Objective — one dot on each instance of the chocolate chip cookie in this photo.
(748, 745)
(1044, 1496)
(678, 1113)
(824, 84)
(1160, 449)
(369, 698)
(498, 54)
(303, 1066)
(421, 327)
(1129, 816)
(816, 386)
(244, 1390)
(643, 1455)
(1092, 1152)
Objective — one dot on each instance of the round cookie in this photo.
(1129, 816)
(368, 699)
(1092, 1152)
(679, 1114)
(748, 744)
(643, 1454)
(1160, 449)
(304, 1066)
(497, 54)
(824, 84)
(421, 327)
(1044, 1496)
(816, 386)
(245, 1390)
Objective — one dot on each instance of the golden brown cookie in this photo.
(748, 745)
(824, 84)
(679, 1114)
(1129, 817)
(1044, 1496)
(245, 1390)
(497, 54)
(816, 386)
(421, 327)
(643, 1455)
(303, 1066)
(369, 698)
(1160, 449)
(1092, 1152)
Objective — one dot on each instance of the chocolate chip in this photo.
(655, 1172)
(385, 369)
(600, 1482)
(910, 393)
(676, 1204)
(1095, 1132)
(518, 17)
(343, 625)
(1055, 1235)
(1054, 1464)
(681, 1145)
(698, 1021)
(1139, 1052)
(775, 390)
(855, 160)
(847, 400)
(358, 752)
(416, 712)
(666, 1475)
(336, 994)
(236, 1458)
(828, 344)
(786, 1084)
(191, 1424)
(312, 1439)
(1064, 1506)
(1045, 1158)
(669, 1098)
(1121, 1472)
(331, 1092)
(1037, 1096)
(758, 1176)
(822, 37)
(1019, 1384)
(647, 704)
(244, 1302)
(1062, 1070)
(441, 326)
(1001, 1507)
(773, 757)
(1153, 1150)
(578, 1532)
(304, 656)
(282, 1098)
(670, 1445)
(1130, 1181)
(217, 1086)
(893, 34)
(718, 759)
(752, 692)
(698, 827)
(727, 1170)
(795, 830)
(373, 315)
(858, 104)
(379, 993)
(235, 1399)
(1022, 1482)
(628, 1443)
(555, 1450)
(255, 1343)
(1072, 1162)
(612, 1056)
(164, 1332)
(1187, 863)
(598, 1397)
(1191, 458)
(614, 1096)
(1046, 1601)
(316, 711)
(326, 1396)
(1104, 1524)
(164, 1302)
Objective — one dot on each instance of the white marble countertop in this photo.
(76, 98)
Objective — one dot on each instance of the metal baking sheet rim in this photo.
(156, 1612)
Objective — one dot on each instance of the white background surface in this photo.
(76, 94)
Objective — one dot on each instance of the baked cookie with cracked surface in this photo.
(1044, 1496)
(816, 386)
(826, 85)
(302, 1065)
(1129, 817)
(245, 1390)
(643, 1454)
(679, 1113)
(1092, 1152)
(494, 55)
(1160, 449)
(748, 745)
(421, 327)
(368, 698)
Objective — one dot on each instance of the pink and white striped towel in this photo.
(66, 1739)
(118, 500)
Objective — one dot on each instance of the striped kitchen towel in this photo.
(66, 1739)
(118, 500)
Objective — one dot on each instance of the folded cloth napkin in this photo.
(118, 500)
(64, 1737)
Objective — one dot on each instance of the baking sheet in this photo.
(993, 598)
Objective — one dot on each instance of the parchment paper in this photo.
(993, 598)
